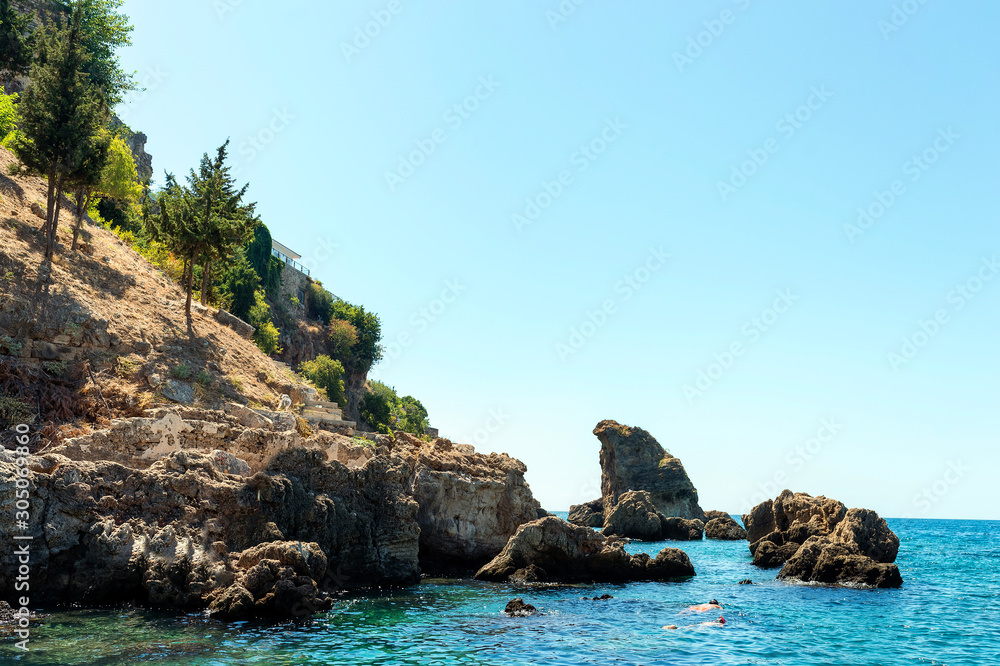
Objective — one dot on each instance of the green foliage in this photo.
(341, 338)
(267, 266)
(239, 287)
(384, 410)
(294, 300)
(8, 113)
(16, 41)
(119, 178)
(181, 371)
(376, 412)
(328, 375)
(266, 334)
(54, 368)
(203, 377)
(62, 117)
(106, 30)
(14, 412)
(12, 346)
(320, 302)
(366, 351)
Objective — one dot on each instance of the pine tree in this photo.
(86, 176)
(61, 114)
(16, 43)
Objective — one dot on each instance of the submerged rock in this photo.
(724, 528)
(631, 459)
(636, 517)
(816, 539)
(571, 553)
(589, 514)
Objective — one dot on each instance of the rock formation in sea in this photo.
(235, 510)
(635, 517)
(588, 514)
(556, 551)
(817, 539)
(724, 528)
(631, 459)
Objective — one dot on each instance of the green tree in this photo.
(376, 412)
(8, 113)
(328, 375)
(86, 175)
(265, 333)
(178, 227)
(268, 266)
(105, 31)
(341, 338)
(61, 113)
(16, 42)
(367, 350)
(412, 415)
(239, 286)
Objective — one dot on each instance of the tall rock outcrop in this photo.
(817, 539)
(636, 517)
(631, 459)
(470, 504)
(550, 549)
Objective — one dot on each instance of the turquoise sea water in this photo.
(947, 612)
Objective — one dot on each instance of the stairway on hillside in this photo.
(325, 413)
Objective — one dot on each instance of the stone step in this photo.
(322, 416)
(321, 403)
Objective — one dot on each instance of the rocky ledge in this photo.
(817, 539)
(552, 550)
(236, 511)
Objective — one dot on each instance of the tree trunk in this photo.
(205, 282)
(81, 202)
(49, 201)
(50, 249)
(190, 283)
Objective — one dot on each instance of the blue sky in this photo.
(570, 212)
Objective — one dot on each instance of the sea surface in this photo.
(947, 612)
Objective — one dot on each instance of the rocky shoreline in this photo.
(235, 511)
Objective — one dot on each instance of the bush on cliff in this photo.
(385, 411)
(376, 412)
(327, 374)
(266, 334)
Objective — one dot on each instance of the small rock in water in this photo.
(745, 581)
(600, 598)
(517, 608)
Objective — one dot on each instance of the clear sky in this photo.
(764, 232)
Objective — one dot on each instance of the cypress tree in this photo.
(61, 114)
(16, 43)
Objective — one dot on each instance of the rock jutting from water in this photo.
(556, 551)
(817, 539)
(635, 517)
(588, 514)
(724, 528)
(632, 459)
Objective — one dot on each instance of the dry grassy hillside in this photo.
(109, 309)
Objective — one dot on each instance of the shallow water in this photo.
(947, 612)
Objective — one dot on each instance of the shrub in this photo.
(203, 378)
(124, 367)
(413, 416)
(320, 302)
(12, 346)
(14, 412)
(328, 375)
(54, 368)
(266, 336)
(8, 113)
(376, 412)
(341, 338)
(182, 371)
(366, 351)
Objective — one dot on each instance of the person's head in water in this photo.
(713, 602)
(721, 620)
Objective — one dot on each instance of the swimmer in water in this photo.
(721, 622)
(711, 605)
